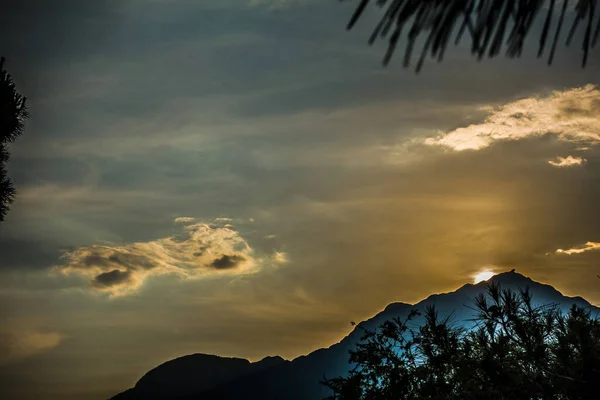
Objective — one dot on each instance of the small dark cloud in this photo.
(112, 278)
(227, 262)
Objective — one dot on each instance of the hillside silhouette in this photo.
(211, 377)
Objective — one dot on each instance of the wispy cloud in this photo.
(569, 161)
(589, 246)
(572, 115)
(208, 249)
(184, 219)
(20, 344)
(280, 257)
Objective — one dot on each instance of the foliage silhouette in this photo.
(515, 350)
(13, 113)
(490, 23)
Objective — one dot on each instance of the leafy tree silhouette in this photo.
(491, 24)
(13, 113)
(514, 351)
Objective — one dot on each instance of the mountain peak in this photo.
(393, 307)
(270, 361)
(542, 293)
(511, 277)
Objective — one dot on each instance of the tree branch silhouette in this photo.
(515, 350)
(491, 24)
(13, 113)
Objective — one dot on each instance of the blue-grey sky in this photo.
(243, 178)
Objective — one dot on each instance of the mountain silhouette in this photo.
(206, 377)
(189, 375)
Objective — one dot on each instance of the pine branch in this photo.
(491, 24)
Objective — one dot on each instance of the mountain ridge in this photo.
(299, 378)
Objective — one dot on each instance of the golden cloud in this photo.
(589, 246)
(569, 161)
(572, 115)
(184, 220)
(280, 257)
(210, 249)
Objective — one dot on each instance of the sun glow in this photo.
(482, 276)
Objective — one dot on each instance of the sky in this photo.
(244, 178)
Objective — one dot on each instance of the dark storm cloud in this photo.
(227, 261)
(112, 278)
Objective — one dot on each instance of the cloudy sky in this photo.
(243, 178)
